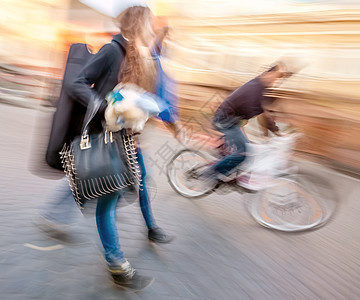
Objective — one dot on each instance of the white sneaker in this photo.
(126, 277)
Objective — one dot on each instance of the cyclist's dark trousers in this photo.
(235, 138)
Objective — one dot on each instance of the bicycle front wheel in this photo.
(183, 174)
(294, 203)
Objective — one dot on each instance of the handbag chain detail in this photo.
(132, 161)
(101, 164)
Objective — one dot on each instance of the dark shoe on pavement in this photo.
(126, 277)
(61, 232)
(157, 235)
(49, 226)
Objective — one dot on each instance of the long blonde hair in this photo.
(133, 23)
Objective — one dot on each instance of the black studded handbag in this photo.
(100, 164)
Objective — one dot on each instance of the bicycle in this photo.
(282, 196)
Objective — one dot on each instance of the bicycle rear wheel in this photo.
(183, 174)
(294, 203)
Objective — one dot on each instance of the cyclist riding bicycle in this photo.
(244, 103)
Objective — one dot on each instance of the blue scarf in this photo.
(166, 91)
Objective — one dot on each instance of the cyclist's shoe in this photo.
(157, 235)
(126, 277)
(227, 178)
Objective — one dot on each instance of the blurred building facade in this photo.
(214, 47)
(35, 38)
(219, 45)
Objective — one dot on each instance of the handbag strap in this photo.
(92, 109)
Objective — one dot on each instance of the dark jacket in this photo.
(244, 103)
(98, 77)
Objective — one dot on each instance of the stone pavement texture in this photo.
(219, 251)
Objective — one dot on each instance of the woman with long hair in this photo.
(127, 59)
(139, 67)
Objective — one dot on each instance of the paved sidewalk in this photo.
(219, 251)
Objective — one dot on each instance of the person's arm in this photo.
(98, 65)
(268, 115)
(270, 122)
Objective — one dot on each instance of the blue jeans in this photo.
(64, 210)
(144, 196)
(235, 138)
(107, 229)
(106, 218)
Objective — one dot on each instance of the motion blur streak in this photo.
(213, 47)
